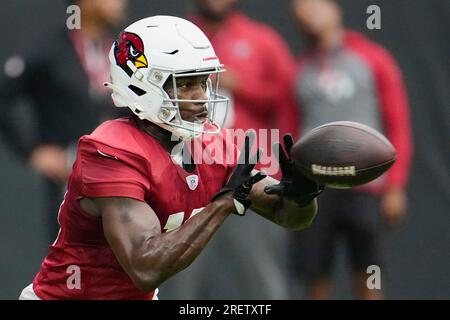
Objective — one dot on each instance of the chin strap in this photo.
(182, 134)
(119, 95)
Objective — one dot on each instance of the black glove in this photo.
(241, 181)
(293, 185)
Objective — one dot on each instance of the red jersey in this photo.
(120, 160)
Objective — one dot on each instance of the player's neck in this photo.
(329, 40)
(163, 136)
(213, 25)
(175, 148)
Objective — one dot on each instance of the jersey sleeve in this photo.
(109, 172)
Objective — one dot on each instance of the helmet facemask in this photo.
(169, 115)
(170, 112)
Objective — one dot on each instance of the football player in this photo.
(138, 209)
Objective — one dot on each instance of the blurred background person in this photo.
(342, 75)
(61, 78)
(258, 64)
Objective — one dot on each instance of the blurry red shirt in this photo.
(119, 160)
(387, 86)
(263, 63)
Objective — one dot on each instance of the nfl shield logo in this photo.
(192, 181)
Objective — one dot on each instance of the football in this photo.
(343, 154)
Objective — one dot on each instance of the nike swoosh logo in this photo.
(107, 155)
(172, 53)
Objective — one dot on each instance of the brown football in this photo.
(343, 154)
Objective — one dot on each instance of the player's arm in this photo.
(133, 230)
(148, 256)
(396, 119)
(290, 202)
(280, 210)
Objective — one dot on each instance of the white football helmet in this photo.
(146, 54)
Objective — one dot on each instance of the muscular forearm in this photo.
(288, 214)
(281, 211)
(291, 216)
(168, 253)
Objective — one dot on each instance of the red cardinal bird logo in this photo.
(129, 47)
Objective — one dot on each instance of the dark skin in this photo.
(215, 11)
(133, 231)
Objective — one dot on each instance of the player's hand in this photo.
(293, 186)
(51, 161)
(393, 206)
(241, 181)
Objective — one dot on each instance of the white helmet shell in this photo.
(146, 54)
